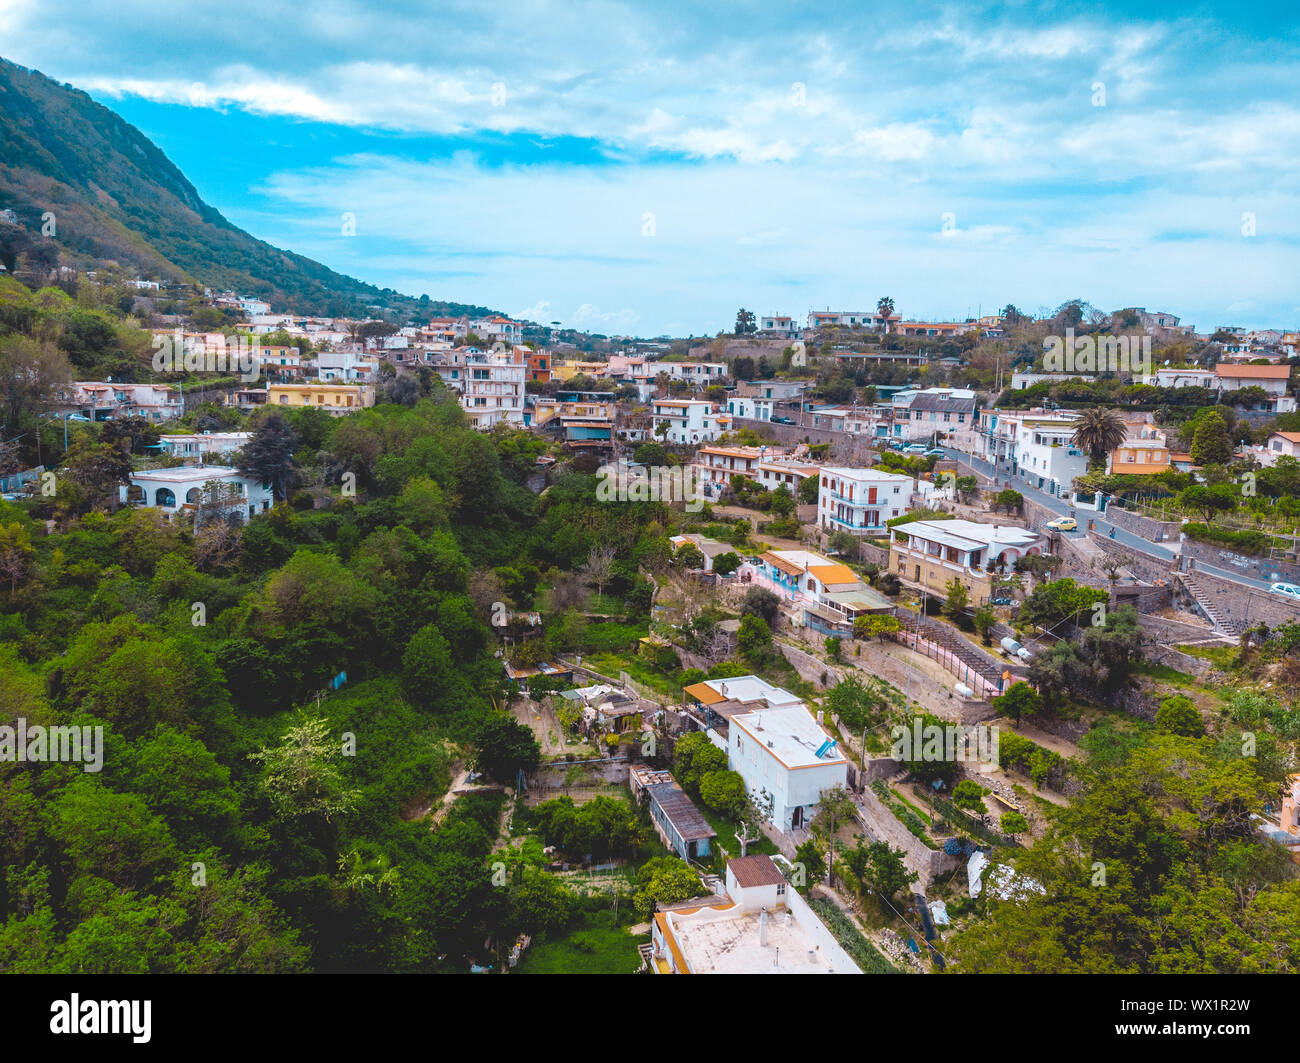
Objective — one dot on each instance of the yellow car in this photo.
(1063, 524)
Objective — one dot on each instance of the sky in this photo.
(649, 168)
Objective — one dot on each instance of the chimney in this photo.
(762, 926)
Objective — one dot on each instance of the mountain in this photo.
(118, 199)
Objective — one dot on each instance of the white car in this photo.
(1289, 589)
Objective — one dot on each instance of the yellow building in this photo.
(336, 399)
(929, 553)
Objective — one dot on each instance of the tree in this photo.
(1013, 823)
(98, 469)
(886, 872)
(427, 668)
(833, 645)
(598, 566)
(303, 774)
(651, 454)
(885, 308)
(664, 880)
(17, 555)
(694, 757)
(505, 747)
(956, 597)
(29, 373)
(745, 325)
(811, 858)
(761, 602)
(723, 791)
(985, 621)
(689, 556)
(1211, 444)
(268, 455)
(754, 812)
(726, 564)
(1011, 501)
(1177, 715)
(754, 639)
(853, 703)
(968, 794)
(783, 502)
(1098, 432)
(809, 487)
(872, 626)
(1019, 701)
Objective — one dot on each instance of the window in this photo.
(780, 889)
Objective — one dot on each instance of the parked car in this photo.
(896, 444)
(1289, 589)
(934, 452)
(915, 448)
(1063, 524)
(999, 601)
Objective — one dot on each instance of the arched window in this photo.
(164, 497)
(192, 495)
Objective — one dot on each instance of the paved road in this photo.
(1062, 506)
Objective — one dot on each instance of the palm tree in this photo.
(885, 307)
(1099, 432)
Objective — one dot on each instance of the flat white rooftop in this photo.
(791, 734)
(967, 533)
(726, 942)
(187, 474)
(751, 688)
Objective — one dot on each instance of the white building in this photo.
(198, 446)
(180, 490)
(701, 373)
(105, 401)
(688, 421)
(760, 926)
(783, 751)
(860, 501)
(349, 367)
(491, 383)
(777, 325)
(1045, 456)
(751, 408)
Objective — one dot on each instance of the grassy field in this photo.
(597, 944)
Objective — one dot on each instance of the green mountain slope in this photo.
(117, 198)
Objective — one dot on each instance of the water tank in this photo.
(1024, 654)
(964, 691)
(1010, 645)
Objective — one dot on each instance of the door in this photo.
(796, 817)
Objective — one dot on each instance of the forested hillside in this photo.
(116, 198)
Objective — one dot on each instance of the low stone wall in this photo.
(1156, 531)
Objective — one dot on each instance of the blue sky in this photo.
(648, 168)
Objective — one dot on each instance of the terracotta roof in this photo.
(833, 573)
(704, 694)
(788, 567)
(755, 871)
(1294, 437)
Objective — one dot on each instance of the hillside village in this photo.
(791, 649)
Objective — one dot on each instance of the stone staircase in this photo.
(986, 666)
(1220, 621)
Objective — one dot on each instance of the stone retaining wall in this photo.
(1156, 531)
(1245, 604)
